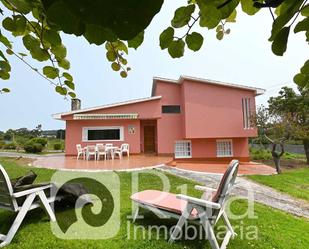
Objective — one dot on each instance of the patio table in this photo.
(111, 150)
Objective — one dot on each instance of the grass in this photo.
(293, 181)
(263, 154)
(276, 229)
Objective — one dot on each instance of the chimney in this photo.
(75, 104)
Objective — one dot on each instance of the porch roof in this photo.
(105, 116)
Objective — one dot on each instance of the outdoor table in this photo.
(111, 150)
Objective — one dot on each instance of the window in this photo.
(183, 149)
(224, 148)
(247, 113)
(171, 109)
(108, 133)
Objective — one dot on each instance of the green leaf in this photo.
(302, 25)
(5, 66)
(247, 7)
(64, 63)
(31, 42)
(3, 56)
(4, 75)
(194, 41)
(5, 90)
(232, 17)
(136, 41)
(123, 61)
(61, 90)
(220, 35)
(70, 84)
(301, 79)
(23, 6)
(123, 74)
(182, 16)
(305, 68)
(115, 66)
(72, 95)
(39, 54)
(98, 35)
(5, 41)
(176, 48)
(21, 24)
(9, 24)
(52, 37)
(9, 51)
(67, 76)
(111, 55)
(22, 54)
(210, 16)
(280, 42)
(50, 72)
(305, 10)
(59, 51)
(166, 37)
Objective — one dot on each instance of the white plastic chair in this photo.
(13, 201)
(124, 148)
(80, 151)
(101, 151)
(91, 151)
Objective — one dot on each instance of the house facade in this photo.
(189, 118)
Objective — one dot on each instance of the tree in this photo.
(274, 128)
(293, 107)
(120, 24)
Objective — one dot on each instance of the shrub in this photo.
(32, 147)
(57, 146)
(259, 154)
(39, 140)
(1, 144)
(9, 146)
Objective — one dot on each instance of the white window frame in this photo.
(224, 141)
(247, 112)
(86, 129)
(183, 152)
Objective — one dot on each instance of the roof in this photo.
(59, 115)
(258, 91)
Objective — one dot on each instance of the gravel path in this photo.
(263, 194)
(26, 155)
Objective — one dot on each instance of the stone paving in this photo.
(262, 194)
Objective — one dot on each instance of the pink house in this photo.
(189, 118)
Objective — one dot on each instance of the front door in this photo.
(149, 139)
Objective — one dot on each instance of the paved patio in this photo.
(126, 163)
(250, 168)
(144, 161)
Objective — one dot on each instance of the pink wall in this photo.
(170, 126)
(74, 134)
(214, 111)
(146, 110)
(202, 148)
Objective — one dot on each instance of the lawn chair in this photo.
(186, 208)
(124, 148)
(21, 202)
(80, 151)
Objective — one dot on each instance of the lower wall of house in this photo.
(74, 130)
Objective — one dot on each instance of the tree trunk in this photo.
(277, 164)
(306, 147)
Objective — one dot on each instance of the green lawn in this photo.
(293, 181)
(276, 230)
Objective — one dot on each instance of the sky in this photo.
(243, 57)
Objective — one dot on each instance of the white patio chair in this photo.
(91, 151)
(80, 151)
(21, 202)
(109, 145)
(101, 151)
(190, 209)
(124, 148)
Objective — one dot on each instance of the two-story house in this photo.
(189, 118)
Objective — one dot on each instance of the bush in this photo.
(259, 154)
(9, 146)
(32, 147)
(1, 144)
(57, 146)
(39, 140)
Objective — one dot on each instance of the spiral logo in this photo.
(88, 207)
